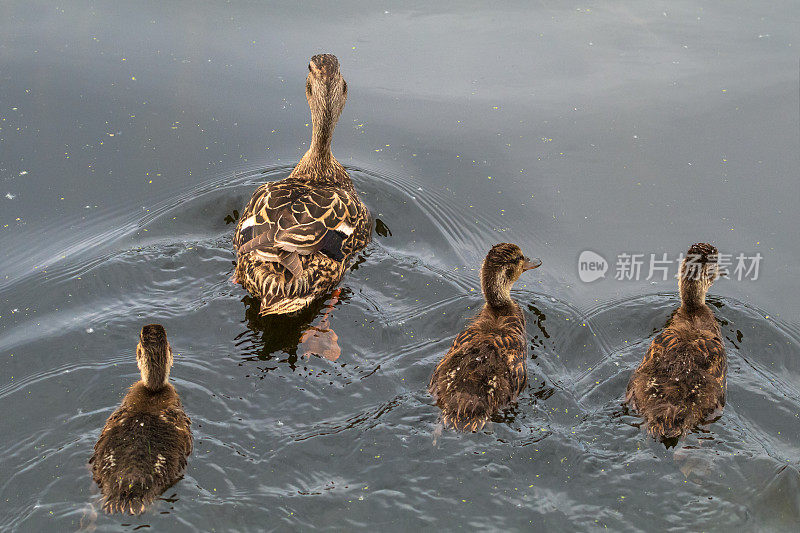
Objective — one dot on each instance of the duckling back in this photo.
(483, 372)
(680, 384)
(142, 449)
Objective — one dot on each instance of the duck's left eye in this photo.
(344, 89)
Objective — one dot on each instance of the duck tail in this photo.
(668, 421)
(129, 494)
(134, 506)
(465, 412)
(470, 393)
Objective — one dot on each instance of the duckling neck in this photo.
(693, 296)
(497, 296)
(153, 383)
(154, 376)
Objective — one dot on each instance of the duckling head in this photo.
(154, 356)
(504, 264)
(698, 271)
(326, 92)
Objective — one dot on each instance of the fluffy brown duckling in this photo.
(296, 236)
(680, 383)
(143, 447)
(485, 368)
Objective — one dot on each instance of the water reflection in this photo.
(537, 340)
(487, 148)
(277, 338)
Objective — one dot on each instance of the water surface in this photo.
(130, 134)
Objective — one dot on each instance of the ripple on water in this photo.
(277, 433)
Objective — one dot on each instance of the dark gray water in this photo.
(129, 133)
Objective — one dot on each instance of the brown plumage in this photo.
(296, 236)
(143, 447)
(680, 383)
(485, 368)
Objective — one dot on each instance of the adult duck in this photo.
(296, 237)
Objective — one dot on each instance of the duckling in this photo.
(143, 447)
(680, 383)
(485, 368)
(296, 236)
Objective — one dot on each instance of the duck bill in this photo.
(530, 264)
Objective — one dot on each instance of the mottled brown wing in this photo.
(177, 417)
(680, 382)
(292, 216)
(654, 354)
(139, 454)
(508, 341)
(712, 345)
(482, 372)
(519, 365)
(512, 344)
(100, 460)
(709, 343)
(664, 341)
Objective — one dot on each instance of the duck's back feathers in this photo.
(680, 383)
(294, 215)
(295, 238)
(142, 449)
(483, 372)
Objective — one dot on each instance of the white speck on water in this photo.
(15, 310)
(280, 423)
(89, 330)
(10, 196)
(23, 173)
